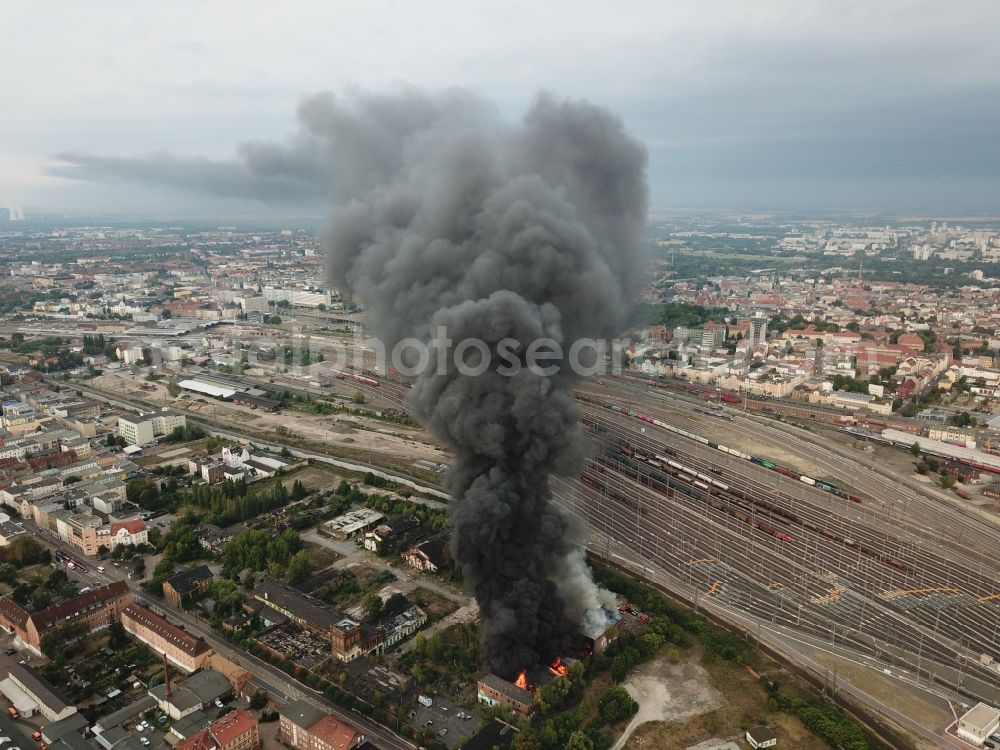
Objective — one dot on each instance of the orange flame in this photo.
(522, 680)
(558, 668)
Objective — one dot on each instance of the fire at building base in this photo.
(519, 695)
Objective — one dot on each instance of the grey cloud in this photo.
(265, 173)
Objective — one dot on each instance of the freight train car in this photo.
(763, 462)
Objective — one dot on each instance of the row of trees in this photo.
(185, 434)
(223, 504)
(823, 719)
(96, 345)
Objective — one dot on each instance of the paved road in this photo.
(266, 676)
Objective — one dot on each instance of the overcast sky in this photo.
(764, 104)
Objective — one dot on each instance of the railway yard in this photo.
(885, 573)
(848, 557)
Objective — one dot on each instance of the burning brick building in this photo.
(595, 637)
(496, 691)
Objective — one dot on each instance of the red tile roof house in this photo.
(302, 726)
(129, 532)
(236, 730)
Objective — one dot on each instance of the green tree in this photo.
(258, 700)
(138, 567)
(915, 449)
(24, 550)
(358, 397)
(228, 598)
(616, 704)
(174, 390)
(579, 741)
(395, 604)
(7, 573)
(55, 642)
(372, 605)
(525, 740)
(117, 637)
(299, 567)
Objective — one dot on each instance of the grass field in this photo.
(320, 557)
(436, 606)
(314, 477)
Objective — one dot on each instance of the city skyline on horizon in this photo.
(779, 106)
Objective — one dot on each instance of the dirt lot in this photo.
(689, 703)
(669, 693)
(317, 477)
(320, 557)
(356, 436)
(435, 605)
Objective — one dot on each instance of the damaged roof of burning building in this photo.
(519, 695)
(597, 633)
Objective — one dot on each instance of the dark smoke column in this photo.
(447, 216)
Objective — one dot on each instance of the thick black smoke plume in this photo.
(491, 231)
(447, 215)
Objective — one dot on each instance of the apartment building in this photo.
(96, 608)
(302, 726)
(182, 586)
(236, 730)
(129, 532)
(180, 647)
(142, 429)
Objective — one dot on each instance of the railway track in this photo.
(895, 601)
(871, 578)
